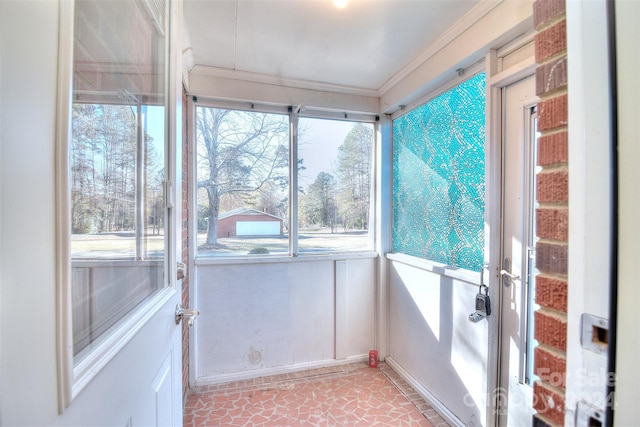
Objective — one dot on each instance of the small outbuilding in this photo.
(249, 222)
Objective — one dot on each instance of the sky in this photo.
(319, 146)
(155, 125)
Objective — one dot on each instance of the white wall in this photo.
(449, 360)
(432, 340)
(224, 88)
(29, 35)
(260, 318)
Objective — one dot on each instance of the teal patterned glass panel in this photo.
(438, 178)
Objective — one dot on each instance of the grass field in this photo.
(116, 245)
(309, 240)
(123, 244)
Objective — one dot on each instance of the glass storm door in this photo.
(516, 275)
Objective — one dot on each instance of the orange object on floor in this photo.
(373, 358)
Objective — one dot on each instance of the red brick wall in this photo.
(552, 215)
(185, 243)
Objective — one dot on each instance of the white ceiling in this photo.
(362, 46)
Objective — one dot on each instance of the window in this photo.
(438, 178)
(112, 165)
(335, 173)
(244, 196)
(242, 182)
(117, 213)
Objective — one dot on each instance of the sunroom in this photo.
(363, 101)
(254, 188)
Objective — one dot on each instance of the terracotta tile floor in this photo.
(348, 395)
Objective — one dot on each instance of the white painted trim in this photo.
(497, 80)
(274, 108)
(192, 191)
(453, 82)
(459, 27)
(257, 107)
(513, 74)
(293, 182)
(214, 87)
(383, 220)
(590, 210)
(515, 45)
(267, 79)
(428, 397)
(278, 370)
(173, 140)
(280, 259)
(60, 392)
(471, 277)
(492, 224)
(337, 115)
(99, 67)
(64, 332)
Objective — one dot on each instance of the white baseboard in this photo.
(428, 397)
(278, 370)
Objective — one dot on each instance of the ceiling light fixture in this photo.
(340, 4)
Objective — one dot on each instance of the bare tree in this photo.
(239, 152)
(103, 167)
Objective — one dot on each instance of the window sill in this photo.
(276, 259)
(471, 277)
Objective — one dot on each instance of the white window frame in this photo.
(294, 112)
(428, 264)
(75, 373)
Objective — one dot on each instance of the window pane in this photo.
(334, 174)
(243, 182)
(438, 178)
(116, 191)
(117, 158)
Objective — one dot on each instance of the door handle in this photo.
(507, 276)
(511, 277)
(188, 315)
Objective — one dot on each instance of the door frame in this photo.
(497, 80)
(517, 115)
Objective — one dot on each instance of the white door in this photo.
(123, 211)
(110, 355)
(517, 254)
